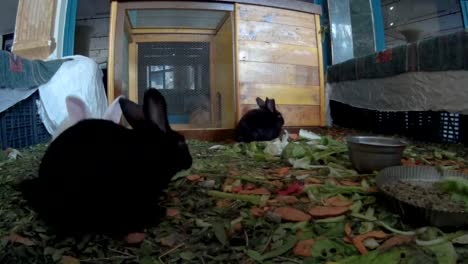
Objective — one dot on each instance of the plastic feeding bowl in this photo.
(420, 208)
(370, 154)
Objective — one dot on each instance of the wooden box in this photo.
(259, 48)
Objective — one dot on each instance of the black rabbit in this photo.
(100, 177)
(261, 124)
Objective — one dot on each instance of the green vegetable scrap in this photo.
(412, 255)
(457, 187)
(291, 200)
(254, 199)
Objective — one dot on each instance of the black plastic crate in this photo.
(21, 126)
(390, 122)
(429, 126)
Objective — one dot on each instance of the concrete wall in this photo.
(92, 30)
(92, 38)
(8, 16)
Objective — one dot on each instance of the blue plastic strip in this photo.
(378, 25)
(70, 23)
(464, 9)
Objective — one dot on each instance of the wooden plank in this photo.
(32, 44)
(257, 51)
(167, 18)
(118, 51)
(276, 16)
(178, 5)
(321, 73)
(236, 63)
(173, 31)
(128, 28)
(224, 75)
(170, 38)
(294, 115)
(111, 53)
(215, 135)
(34, 31)
(214, 110)
(295, 5)
(227, 16)
(268, 32)
(283, 94)
(133, 72)
(270, 73)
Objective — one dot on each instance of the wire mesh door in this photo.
(181, 72)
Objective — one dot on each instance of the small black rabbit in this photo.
(100, 177)
(261, 124)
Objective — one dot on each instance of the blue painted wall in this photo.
(70, 24)
(378, 25)
(464, 9)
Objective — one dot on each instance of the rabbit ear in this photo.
(270, 105)
(77, 109)
(155, 109)
(114, 111)
(132, 112)
(260, 102)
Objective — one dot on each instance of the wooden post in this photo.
(34, 33)
(111, 57)
(321, 71)
(133, 71)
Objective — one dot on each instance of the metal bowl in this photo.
(415, 215)
(368, 154)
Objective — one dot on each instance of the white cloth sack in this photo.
(9, 97)
(80, 77)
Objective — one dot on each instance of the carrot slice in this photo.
(259, 191)
(372, 234)
(250, 186)
(312, 180)
(328, 211)
(19, 239)
(303, 248)
(294, 136)
(338, 201)
(255, 211)
(172, 212)
(347, 230)
(396, 240)
(237, 189)
(358, 240)
(193, 177)
(349, 183)
(135, 238)
(292, 214)
(406, 162)
(359, 246)
(224, 203)
(282, 171)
